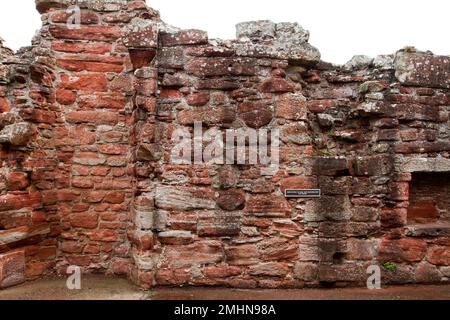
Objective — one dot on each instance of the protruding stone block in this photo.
(43, 6)
(12, 269)
(173, 198)
(256, 30)
(17, 134)
(283, 40)
(141, 37)
(423, 69)
(184, 37)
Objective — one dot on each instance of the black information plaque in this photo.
(302, 193)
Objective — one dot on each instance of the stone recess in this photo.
(86, 178)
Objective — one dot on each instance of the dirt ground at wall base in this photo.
(106, 288)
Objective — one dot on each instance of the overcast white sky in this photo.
(339, 28)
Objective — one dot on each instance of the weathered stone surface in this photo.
(44, 5)
(175, 237)
(335, 185)
(256, 30)
(426, 165)
(277, 85)
(227, 177)
(391, 218)
(208, 116)
(418, 112)
(210, 67)
(267, 206)
(231, 200)
(4, 74)
(255, 115)
(321, 249)
(439, 255)
(148, 152)
(199, 253)
(408, 250)
(335, 208)
(427, 273)
(289, 40)
(373, 166)
(373, 86)
(422, 147)
(242, 255)
(298, 183)
(347, 229)
(276, 249)
(346, 272)
(270, 269)
(172, 198)
(198, 99)
(12, 269)
(296, 133)
(94, 33)
(184, 37)
(291, 107)
(402, 274)
(358, 62)
(361, 249)
(422, 69)
(428, 230)
(141, 37)
(87, 117)
(365, 214)
(17, 134)
(11, 236)
(306, 271)
(328, 166)
(172, 57)
(219, 224)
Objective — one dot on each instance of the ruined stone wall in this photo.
(29, 219)
(91, 182)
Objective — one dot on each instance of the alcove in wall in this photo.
(429, 198)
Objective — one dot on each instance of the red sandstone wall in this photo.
(29, 221)
(94, 175)
(93, 92)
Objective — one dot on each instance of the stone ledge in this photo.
(428, 230)
(11, 236)
(426, 165)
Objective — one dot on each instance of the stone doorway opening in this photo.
(429, 201)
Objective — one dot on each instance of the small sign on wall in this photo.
(302, 193)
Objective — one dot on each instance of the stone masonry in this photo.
(86, 122)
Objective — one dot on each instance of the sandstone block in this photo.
(422, 69)
(407, 250)
(173, 198)
(269, 269)
(267, 206)
(184, 37)
(255, 114)
(12, 269)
